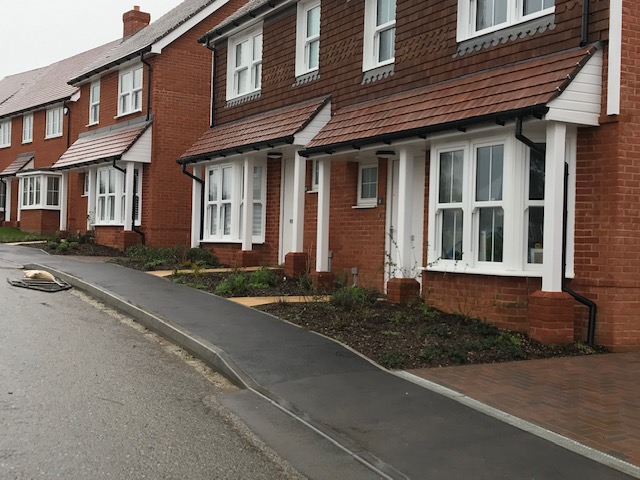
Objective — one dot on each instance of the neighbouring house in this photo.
(433, 147)
(140, 105)
(36, 109)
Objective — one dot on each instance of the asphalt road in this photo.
(83, 395)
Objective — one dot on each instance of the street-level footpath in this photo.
(398, 428)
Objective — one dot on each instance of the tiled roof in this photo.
(17, 165)
(101, 147)
(48, 84)
(11, 85)
(248, 7)
(144, 38)
(262, 130)
(437, 107)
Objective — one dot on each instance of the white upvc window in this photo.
(244, 63)
(130, 90)
(94, 103)
(486, 207)
(106, 195)
(225, 199)
(315, 175)
(137, 177)
(3, 195)
(379, 33)
(367, 184)
(308, 37)
(5, 133)
(40, 192)
(477, 17)
(53, 127)
(27, 128)
(85, 184)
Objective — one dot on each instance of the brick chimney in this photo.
(134, 21)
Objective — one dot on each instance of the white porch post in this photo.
(299, 171)
(247, 213)
(128, 198)
(322, 241)
(553, 211)
(19, 210)
(196, 207)
(91, 201)
(64, 191)
(7, 201)
(405, 211)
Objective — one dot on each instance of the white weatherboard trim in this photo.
(140, 151)
(186, 26)
(304, 136)
(614, 71)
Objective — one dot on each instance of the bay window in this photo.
(225, 198)
(486, 207)
(106, 196)
(3, 195)
(40, 191)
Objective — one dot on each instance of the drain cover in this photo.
(41, 285)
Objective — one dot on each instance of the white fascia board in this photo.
(186, 26)
(140, 151)
(76, 96)
(304, 136)
(615, 57)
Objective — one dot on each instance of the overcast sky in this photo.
(36, 33)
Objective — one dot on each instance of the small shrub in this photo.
(202, 256)
(233, 285)
(305, 283)
(74, 245)
(53, 245)
(392, 360)
(353, 298)
(63, 246)
(263, 278)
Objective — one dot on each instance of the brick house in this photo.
(141, 104)
(441, 167)
(36, 111)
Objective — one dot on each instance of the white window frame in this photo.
(253, 66)
(130, 96)
(514, 203)
(5, 133)
(110, 214)
(515, 14)
(367, 202)
(85, 184)
(3, 195)
(34, 189)
(27, 127)
(303, 40)
(372, 32)
(315, 174)
(235, 202)
(137, 187)
(94, 103)
(54, 122)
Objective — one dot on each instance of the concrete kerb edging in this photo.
(548, 435)
(220, 361)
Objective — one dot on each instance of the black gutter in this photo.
(537, 111)
(148, 84)
(585, 301)
(109, 65)
(585, 23)
(272, 143)
(593, 308)
(35, 108)
(202, 192)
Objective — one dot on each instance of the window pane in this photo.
(112, 181)
(452, 234)
(387, 40)
(137, 100)
(257, 219)
(385, 11)
(257, 48)
(213, 185)
(241, 81)
(313, 54)
(137, 78)
(533, 6)
(489, 173)
(257, 183)
(227, 177)
(490, 238)
(226, 212)
(451, 176)
(102, 180)
(111, 207)
(239, 53)
(213, 220)
(536, 234)
(126, 82)
(101, 212)
(490, 13)
(37, 197)
(313, 22)
(536, 176)
(369, 185)
(257, 76)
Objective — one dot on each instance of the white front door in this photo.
(286, 209)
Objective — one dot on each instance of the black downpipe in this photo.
(148, 84)
(585, 23)
(593, 308)
(201, 182)
(585, 301)
(68, 115)
(133, 210)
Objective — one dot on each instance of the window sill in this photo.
(230, 241)
(120, 115)
(39, 207)
(312, 191)
(51, 137)
(233, 101)
(360, 207)
(5, 146)
(498, 272)
(96, 123)
(308, 77)
(27, 142)
(378, 73)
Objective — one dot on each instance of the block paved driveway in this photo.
(594, 400)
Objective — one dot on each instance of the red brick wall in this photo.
(40, 221)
